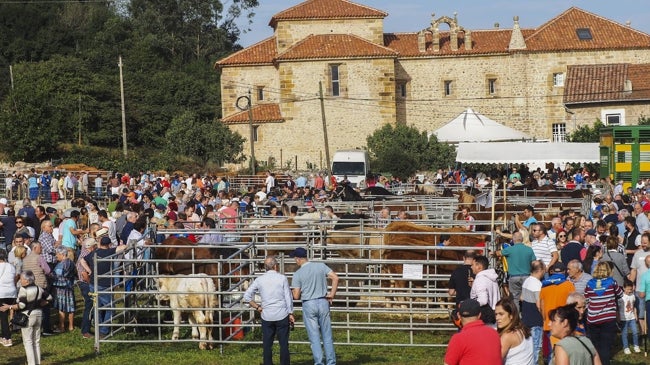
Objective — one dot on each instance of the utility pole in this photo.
(322, 111)
(124, 150)
(248, 106)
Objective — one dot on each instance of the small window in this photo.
(492, 86)
(584, 34)
(255, 128)
(558, 79)
(401, 89)
(260, 93)
(448, 89)
(559, 132)
(613, 119)
(335, 80)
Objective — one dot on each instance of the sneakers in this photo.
(627, 351)
(6, 342)
(637, 349)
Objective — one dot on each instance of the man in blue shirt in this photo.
(310, 284)
(276, 309)
(529, 218)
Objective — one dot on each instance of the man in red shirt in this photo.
(465, 346)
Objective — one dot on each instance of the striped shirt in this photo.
(544, 249)
(601, 296)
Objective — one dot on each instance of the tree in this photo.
(203, 140)
(643, 120)
(587, 134)
(402, 150)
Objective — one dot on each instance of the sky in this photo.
(415, 15)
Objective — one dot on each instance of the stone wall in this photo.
(238, 81)
(290, 32)
(350, 119)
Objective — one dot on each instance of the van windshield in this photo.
(348, 168)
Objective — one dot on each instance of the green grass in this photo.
(71, 348)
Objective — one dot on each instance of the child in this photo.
(629, 318)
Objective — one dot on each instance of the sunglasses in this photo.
(20, 222)
(561, 236)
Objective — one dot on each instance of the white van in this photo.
(351, 163)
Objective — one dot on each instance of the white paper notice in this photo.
(412, 271)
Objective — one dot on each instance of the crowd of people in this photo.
(595, 262)
(571, 285)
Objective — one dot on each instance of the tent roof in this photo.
(471, 126)
(528, 153)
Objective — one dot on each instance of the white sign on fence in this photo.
(412, 271)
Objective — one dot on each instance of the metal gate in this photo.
(366, 301)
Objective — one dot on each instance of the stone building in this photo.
(574, 69)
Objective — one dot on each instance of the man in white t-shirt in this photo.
(543, 246)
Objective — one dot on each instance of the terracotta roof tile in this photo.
(327, 9)
(483, 42)
(335, 46)
(260, 53)
(606, 83)
(262, 114)
(640, 77)
(560, 33)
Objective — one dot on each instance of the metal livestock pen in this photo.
(366, 300)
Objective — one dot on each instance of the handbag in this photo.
(20, 319)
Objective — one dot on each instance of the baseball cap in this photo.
(558, 267)
(591, 232)
(298, 252)
(469, 308)
(90, 242)
(3, 201)
(101, 232)
(105, 241)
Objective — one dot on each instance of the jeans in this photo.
(269, 330)
(603, 335)
(98, 192)
(316, 315)
(105, 315)
(515, 284)
(32, 337)
(536, 333)
(84, 288)
(627, 325)
(4, 318)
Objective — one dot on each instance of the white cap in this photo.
(3, 201)
(261, 195)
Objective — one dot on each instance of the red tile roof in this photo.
(559, 34)
(483, 42)
(262, 114)
(327, 9)
(335, 46)
(261, 53)
(606, 83)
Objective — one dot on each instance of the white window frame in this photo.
(335, 79)
(559, 132)
(605, 114)
(558, 79)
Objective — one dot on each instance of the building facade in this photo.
(544, 82)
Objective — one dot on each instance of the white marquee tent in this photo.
(528, 153)
(471, 126)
